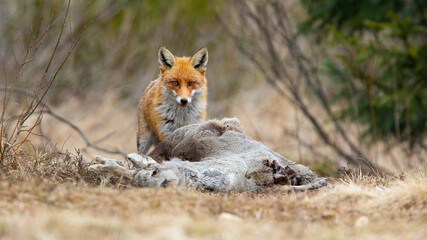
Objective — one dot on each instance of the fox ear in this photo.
(166, 58)
(200, 59)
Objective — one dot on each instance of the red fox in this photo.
(175, 99)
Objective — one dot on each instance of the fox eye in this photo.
(175, 83)
(191, 83)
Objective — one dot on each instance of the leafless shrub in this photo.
(267, 36)
(15, 131)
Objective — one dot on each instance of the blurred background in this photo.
(326, 83)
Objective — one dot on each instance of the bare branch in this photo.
(277, 33)
(34, 33)
(20, 38)
(48, 109)
(59, 37)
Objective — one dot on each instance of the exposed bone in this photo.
(139, 161)
(111, 167)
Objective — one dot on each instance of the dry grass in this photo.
(111, 123)
(51, 196)
(66, 204)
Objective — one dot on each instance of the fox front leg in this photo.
(145, 141)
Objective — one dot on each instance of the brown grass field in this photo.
(48, 196)
(63, 204)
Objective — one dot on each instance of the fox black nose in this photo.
(184, 101)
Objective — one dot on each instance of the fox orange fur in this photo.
(175, 99)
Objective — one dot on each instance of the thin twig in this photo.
(59, 37)
(34, 33)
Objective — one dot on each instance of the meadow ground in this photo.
(46, 196)
(353, 207)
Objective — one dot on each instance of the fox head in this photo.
(183, 77)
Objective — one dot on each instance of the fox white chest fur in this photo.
(176, 116)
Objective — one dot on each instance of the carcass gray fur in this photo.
(216, 156)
